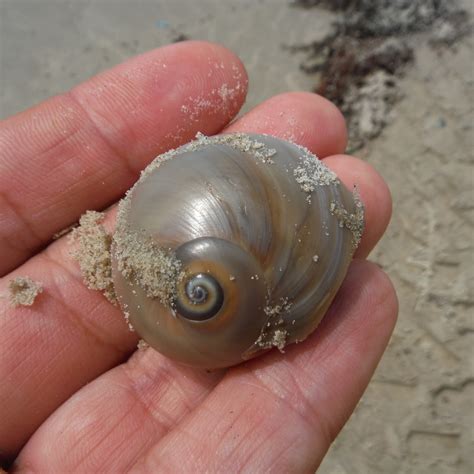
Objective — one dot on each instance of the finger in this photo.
(374, 193)
(60, 381)
(280, 413)
(51, 349)
(109, 424)
(301, 117)
(81, 150)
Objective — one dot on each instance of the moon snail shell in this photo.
(231, 245)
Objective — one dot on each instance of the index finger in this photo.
(82, 149)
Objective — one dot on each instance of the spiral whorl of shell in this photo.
(231, 245)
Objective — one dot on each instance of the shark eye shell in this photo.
(232, 245)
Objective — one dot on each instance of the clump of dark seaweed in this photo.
(360, 60)
(376, 18)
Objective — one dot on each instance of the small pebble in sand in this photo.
(23, 291)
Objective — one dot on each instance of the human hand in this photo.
(139, 410)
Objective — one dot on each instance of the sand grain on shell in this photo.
(23, 291)
(143, 262)
(274, 333)
(352, 221)
(238, 141)
(311, 173)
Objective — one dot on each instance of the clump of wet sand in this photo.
(93, 253)
(23, 291)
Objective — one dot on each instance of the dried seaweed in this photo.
(359, 62)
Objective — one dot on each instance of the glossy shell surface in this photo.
(232, 245)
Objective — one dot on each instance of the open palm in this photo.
(75, 394)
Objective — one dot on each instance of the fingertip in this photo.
(301, 117)
(178, 89)
(220, 60)
(333, 126)
(374, 193)
(378, 293)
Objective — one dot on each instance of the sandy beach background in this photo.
(417, 415)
